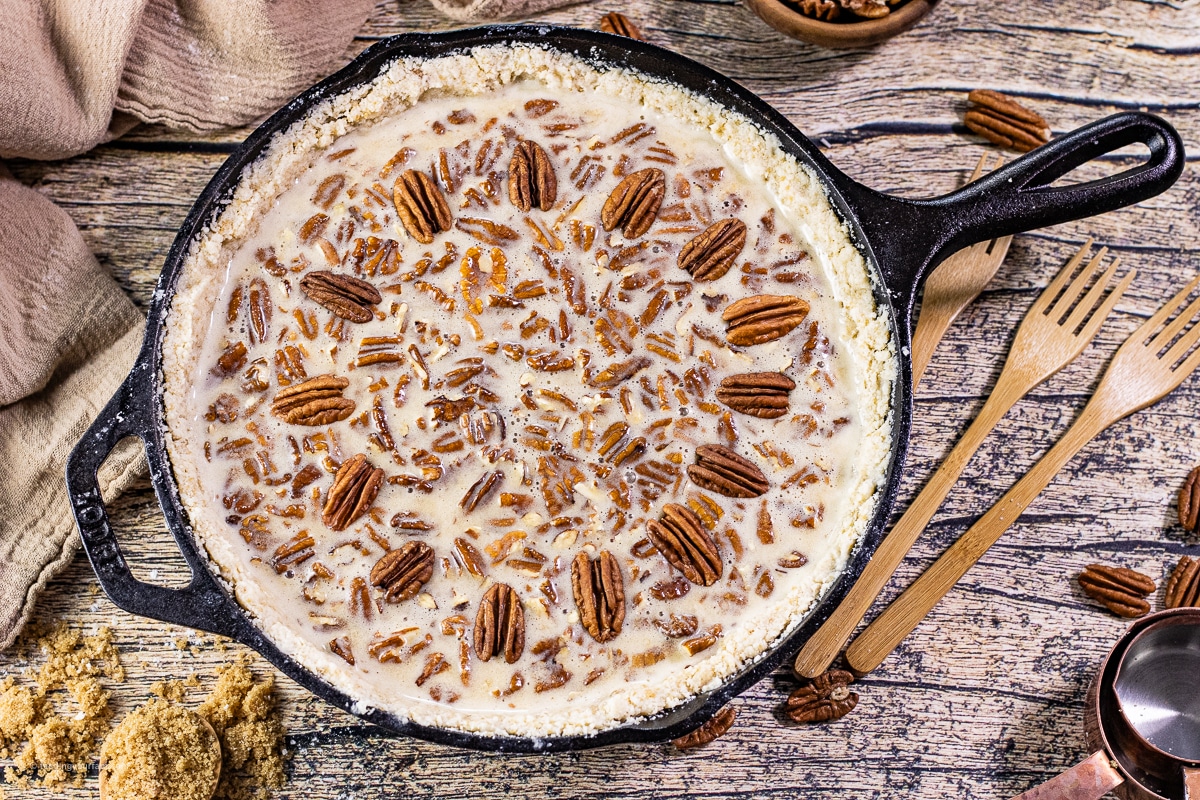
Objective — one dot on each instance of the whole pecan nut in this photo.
(1120, 590)
(711, 253)
(401, 573)
(1003, 121)
(354, 488)
(723, 471)
(615, 22)
(762, 318)
(422, 207)
(1189, 501)
(718, 725)
(680, 536)
(825, 698)
(531, 181)
(634, 204)
(599, 594)
(758, 394)
(1183, 587)
(500, 625)
(346, 296)
(317, 401)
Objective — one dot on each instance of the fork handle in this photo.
(820, 650)
(882, 636)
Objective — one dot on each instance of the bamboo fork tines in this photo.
(1056, 329)
(952, 285)
(1151, 363)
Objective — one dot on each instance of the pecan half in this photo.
(634, 204)
(346, 296)
(718, 725)
(354, 488)
(260, 306)
(531, 181)
(1120, 590)
(762, 318)
(759, 394)
(680, 536)
(723, 471)
(317, 401)
(599, 594)
(401, 573)
(1002, 120)
(500, 625)
(710, 255)
(421, 205)
(1183, 587)
(826, 10)
(1189, 501)
(615, 22)
(868, 9)
(825, 698)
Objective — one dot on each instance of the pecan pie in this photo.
(517, 397)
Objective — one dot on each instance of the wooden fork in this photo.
(1054, 332)
(952, 285)
(1146, 368)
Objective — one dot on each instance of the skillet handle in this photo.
(1090, 779)
(201, 604)
(908, 236)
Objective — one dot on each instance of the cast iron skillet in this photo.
(899, 238)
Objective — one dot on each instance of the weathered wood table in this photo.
(986, 699)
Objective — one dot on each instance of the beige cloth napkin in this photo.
(76, 74)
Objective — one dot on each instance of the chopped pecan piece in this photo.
(317, 401)
(401, 573)
(868, 9)
(346, 296)
(354, 489)
(260, 306)
(618, 23)
(231, 360)
(341, 647)
(599, 594)
(1189, 501)
(723, 471)
(480, 490)
(1183, 587)
(680, 536)
(759, 394)
(1120, 590)
(500, 625)
(825, 698)
(1002, 120)
(718, 725)
(421, 205)
(710, 255)
(762, 318)
(612, 376)
(677, 626)
(531, 181)
(634, 204)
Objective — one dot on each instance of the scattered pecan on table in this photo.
(825, 698)
(618, 23)
(1189, 500)
(1002, 120)
(1183, 587)
(1122, 591)
(719, 725)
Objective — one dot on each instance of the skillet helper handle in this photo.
(1191, 783)
(911, 235)
(1090, 779)
(201, 604)
(899, 619)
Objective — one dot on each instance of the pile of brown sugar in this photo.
(50, 742)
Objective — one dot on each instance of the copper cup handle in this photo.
(1191, 783)
(1090, 779)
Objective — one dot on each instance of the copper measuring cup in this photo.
(1142, 717)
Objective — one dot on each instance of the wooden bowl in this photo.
(865, 33)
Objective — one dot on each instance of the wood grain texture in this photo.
(985, 699)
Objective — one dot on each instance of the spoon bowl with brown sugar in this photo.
(161, 750)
